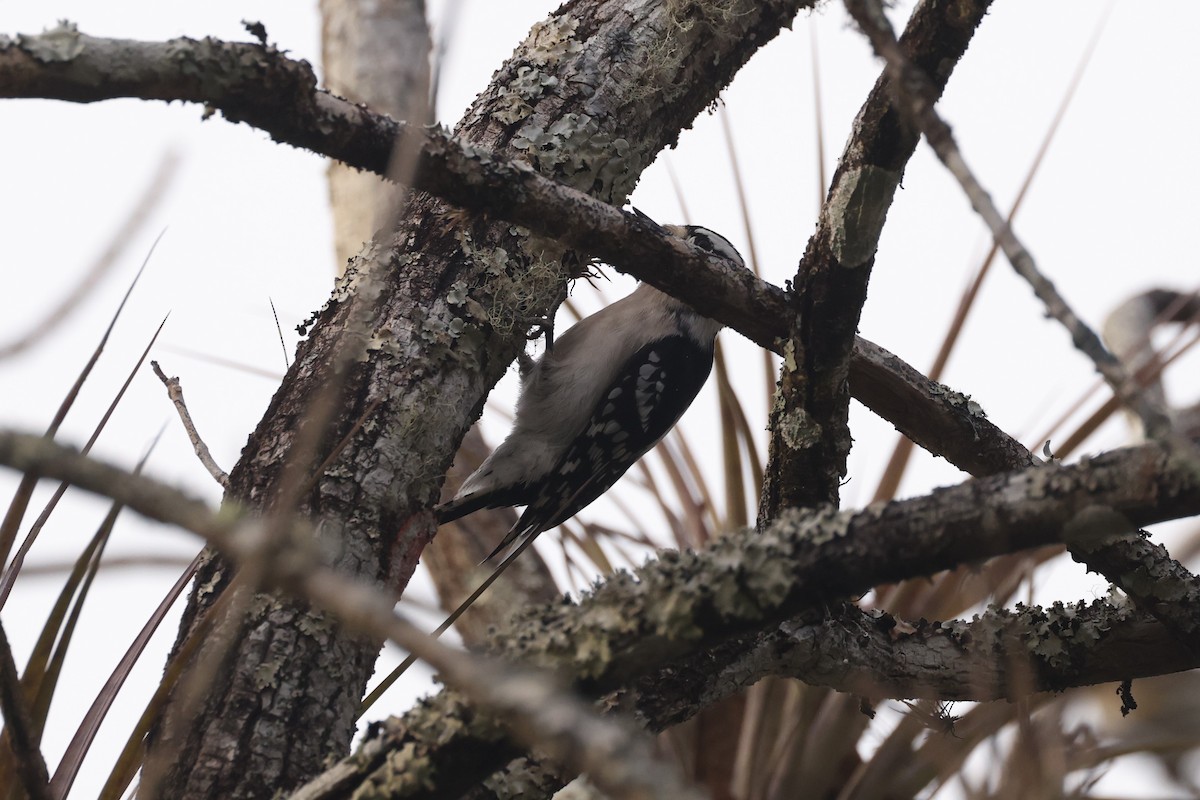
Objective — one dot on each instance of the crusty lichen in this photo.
(409, 744)
(958, 400)
(59, 44)
(796, 427)
(550, 41)
(856, 211)
(575, 151)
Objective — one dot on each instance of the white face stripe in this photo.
(706, 239)
(713, 242)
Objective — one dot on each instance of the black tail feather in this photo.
(461, 506)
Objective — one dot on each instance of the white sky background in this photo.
(1112, 213)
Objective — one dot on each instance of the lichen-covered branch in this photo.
(810, 435)
(1000, 654)
(945, 422)
(260, 86)
(1142, 569)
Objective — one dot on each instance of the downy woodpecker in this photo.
(608, 390)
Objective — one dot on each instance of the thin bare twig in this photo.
(279, 330)
(175, 392)
(893, 472)
(916, 100)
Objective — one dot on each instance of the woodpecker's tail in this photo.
(461, 506)
(519, 532)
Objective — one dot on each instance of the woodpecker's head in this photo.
(708, 240)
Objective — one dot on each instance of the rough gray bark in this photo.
(1000, 655)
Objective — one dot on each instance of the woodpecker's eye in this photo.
(714, 243)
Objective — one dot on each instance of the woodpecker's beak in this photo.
(646, 217)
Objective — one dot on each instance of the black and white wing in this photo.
(653, 389)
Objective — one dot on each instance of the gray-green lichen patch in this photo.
(789, 355)
(266, 676)
(553, 39)
(1056, 634)
(675, 616)
(575, 151)
(856, 212)
(210, 586)
(768, 577)
(798, 428)
(550, 42)
(60, 43)
(815, 527)
(512, 294)
(522, 94)
(408, 766)
(959, 400)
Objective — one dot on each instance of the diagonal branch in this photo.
(999, 655)
(1139, 567)
(1144, 571)
(437, 308)
(635, 631)
(260, 86)
(916, 94)
(244, 82)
